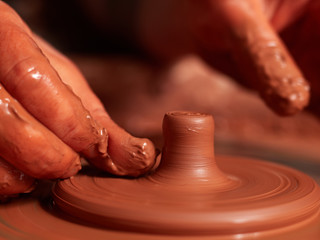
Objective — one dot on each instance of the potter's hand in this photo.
(240, 38)
(44, 125)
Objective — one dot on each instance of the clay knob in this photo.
(188, 151)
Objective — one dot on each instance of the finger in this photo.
(29, 146)
(303, 40)
(13, 181)
(263, 58)
(285, 12)
(127, 155)
(29, 77)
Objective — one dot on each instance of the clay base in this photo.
(28, 219)
(34, 217)
(260, 198)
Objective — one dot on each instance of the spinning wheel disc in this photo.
(264, 193)
(190, 195)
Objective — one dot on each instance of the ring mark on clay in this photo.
(213, 202)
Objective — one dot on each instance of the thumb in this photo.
(262, 57)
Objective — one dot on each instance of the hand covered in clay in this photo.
(241, 38)
(49, 116)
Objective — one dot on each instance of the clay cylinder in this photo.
(188, 151)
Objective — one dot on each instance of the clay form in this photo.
(189, 195)
(29, 219)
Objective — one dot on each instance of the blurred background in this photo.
(87, 26)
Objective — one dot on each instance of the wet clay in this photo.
(235, 37)
(264, 59)
(19, 133)
(194, 193)
(21, 162)
(137, 156)
(29, 219)
(13, 181)
(100, 140)
(47, 113)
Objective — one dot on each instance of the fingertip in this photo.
(142, 156)
(278, 79)
(73, 169)
(287, 100)
(13, 181)
(126, 155)
(264, 60)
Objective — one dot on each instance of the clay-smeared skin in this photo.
(29, 77)
(279, 80)
(41, 130)
(13, 181)
(49, 159)
(137, 155)
(49, 115)
(236, 37)
(116, 151)
(140, 158)
(189, 195)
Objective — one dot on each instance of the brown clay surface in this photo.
(33, 218)
(36, 217)
(265, 196)
(189, 195)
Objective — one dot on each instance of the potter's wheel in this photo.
(290, 198)
(189, 194)
(36, 216)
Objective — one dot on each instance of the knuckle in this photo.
(24, 72)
